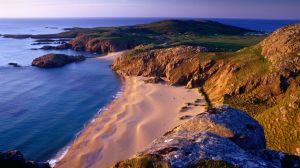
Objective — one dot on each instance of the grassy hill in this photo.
(213, 35)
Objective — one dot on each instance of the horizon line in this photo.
(149, 17)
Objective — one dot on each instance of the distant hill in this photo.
(213, 35)
(197, 27)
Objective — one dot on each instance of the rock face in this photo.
(223, 135)
(88, 43)
(15, 159)
(178, 64)
(281, 44)
(55, 60)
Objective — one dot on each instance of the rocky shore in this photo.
(15, 159)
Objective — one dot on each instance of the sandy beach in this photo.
(142, 113)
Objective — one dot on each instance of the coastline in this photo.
(140, 114)
(62, 152)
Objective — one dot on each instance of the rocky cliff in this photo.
(220, 137)
(262, 80)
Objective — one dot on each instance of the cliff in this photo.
(262, 80)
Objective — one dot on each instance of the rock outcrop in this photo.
(220, 136)
(88, 43)
(281, 44)
(55, 60)
(179, 64)
(15, 159)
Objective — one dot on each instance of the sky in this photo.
(263, 9)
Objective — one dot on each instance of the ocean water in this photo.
(42, 110)
(266, 25)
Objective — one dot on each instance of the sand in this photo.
(142, 113)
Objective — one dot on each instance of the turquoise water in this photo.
(42, 110)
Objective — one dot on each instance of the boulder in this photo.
(228, 123)
(55, 60)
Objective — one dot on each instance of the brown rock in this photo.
(87, 43)
(55, 60)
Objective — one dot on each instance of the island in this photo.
(55, 60)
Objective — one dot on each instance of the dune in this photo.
(142, 113)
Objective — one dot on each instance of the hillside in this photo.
(262, 80)
(213, 35)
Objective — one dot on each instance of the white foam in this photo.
(60, 155)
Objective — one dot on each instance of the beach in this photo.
(142, 113)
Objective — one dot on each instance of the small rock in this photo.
(14, 64)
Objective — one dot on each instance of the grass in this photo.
(213, 164)
(281, 123)
(142, 162)
(279, 115)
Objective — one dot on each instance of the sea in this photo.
(43, 110)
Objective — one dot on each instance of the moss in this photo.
(213, 164)
(143, 162)
(252, 64)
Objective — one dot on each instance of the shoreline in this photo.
(141, 113)
(63, 151)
